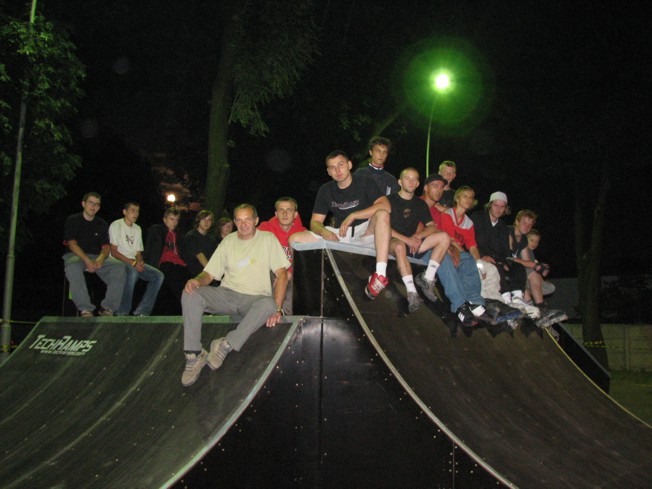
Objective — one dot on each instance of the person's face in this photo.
(91, 205)
(286, 212)
(205, 223)
(533, 242)
(409, 181)
(171, 221)
(449, 173)
(525, 225)
(131, 214)
(246, 223)
(434, 190)
(465, 199)
(497, 209)
(339, 168)
(226, 229)
(379, 153)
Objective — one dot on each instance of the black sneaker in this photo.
(465, 315)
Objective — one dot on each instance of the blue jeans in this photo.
(154, 278)
(461, 284)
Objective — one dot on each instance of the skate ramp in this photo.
(99, 403)
(515, 403)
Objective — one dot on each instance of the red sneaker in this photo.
(375, 286)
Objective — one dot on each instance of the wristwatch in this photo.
(280, 309)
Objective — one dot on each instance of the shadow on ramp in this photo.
(99, 403)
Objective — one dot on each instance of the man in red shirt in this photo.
(459, 227)
(285, 223)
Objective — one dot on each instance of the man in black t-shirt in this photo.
(408, 238)
(360, 212)
(87, 237)
(379, 149)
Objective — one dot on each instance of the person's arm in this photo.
(131, 262)
(203, 279)
(280, 287)
(381, 203)
(317, 227)
(77, 250)
(524, 259)
(424, 231)
(201, 258)
(440, 207)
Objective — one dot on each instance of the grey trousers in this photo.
(112, 273)
(254, 310)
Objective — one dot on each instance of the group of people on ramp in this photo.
(488, 270)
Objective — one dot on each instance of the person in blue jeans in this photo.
(126, 239)
(465, 253)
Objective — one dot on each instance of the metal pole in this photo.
(11, 257)
(432, 111)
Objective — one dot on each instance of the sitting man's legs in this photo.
(128, 292)
(219, 300)
(113, 273)
(74, 269)
(470, 278)
(154, 279)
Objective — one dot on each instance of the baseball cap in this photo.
(434, 177)
(498, 196)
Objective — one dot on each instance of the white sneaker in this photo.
(531, 311)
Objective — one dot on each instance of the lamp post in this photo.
(5, 328)
(441, 84)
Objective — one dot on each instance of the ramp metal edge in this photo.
(406, 385)
(231, 420)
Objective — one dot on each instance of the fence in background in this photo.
(629, 346)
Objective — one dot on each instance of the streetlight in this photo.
(441, 83)
(171, 198)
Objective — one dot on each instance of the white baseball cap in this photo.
(498, 196)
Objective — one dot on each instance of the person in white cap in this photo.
(492, 237)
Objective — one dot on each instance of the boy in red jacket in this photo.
(285, 223)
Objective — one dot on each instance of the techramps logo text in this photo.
(67, 346)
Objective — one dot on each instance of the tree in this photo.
(266, 44)
(40, 65)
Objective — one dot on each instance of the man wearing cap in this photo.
(433, 189)
(492, 237)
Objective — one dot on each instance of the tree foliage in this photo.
(38, 65)
(266, 45)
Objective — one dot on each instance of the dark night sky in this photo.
(548, 69)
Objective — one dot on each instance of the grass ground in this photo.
(634, 391)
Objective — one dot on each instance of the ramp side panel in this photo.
(118, 415)
(518, 401)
